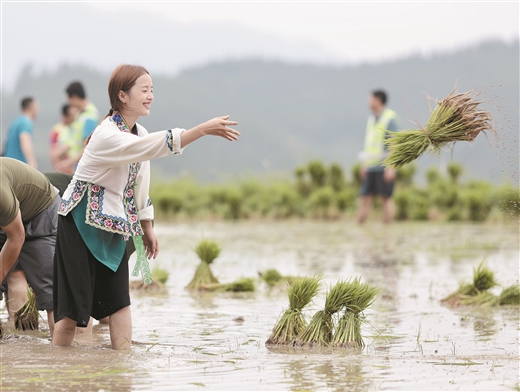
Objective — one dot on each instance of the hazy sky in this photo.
(171, 36)
(355, 31)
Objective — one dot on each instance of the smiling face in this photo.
(138, 99)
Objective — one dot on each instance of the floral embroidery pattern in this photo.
(96, 218)
(77, 194)
(169, 139)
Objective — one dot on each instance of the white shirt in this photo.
(114, 173)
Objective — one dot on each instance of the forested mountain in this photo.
(290, 113)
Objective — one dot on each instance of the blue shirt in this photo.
(13, 148)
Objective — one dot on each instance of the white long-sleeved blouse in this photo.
(114, 173)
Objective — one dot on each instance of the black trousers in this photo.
(83, 286)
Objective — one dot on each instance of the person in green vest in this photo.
(377, 180)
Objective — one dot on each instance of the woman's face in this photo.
(138, 100)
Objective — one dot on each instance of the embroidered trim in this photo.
(77, 194)
(169, 139)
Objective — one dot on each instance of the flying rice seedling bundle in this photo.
(26, 318)
(207, 251)
(348, 329)
(458, 117)
(292, 323)
(477, 293)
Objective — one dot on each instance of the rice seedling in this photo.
(26, 318)
(510, 295)
(207, 251)
(483, 278)
(292, 322)
(484, 298)
(319, 330)
(348, 330)
(475, 293)
(272, 277)
(457, 117)
(159, 278)
(240, 285)
(160, 275)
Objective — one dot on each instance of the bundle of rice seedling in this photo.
(207, 251)
(484, 298)
(483, 280)
(319, 330)
(160, 275)
(457, 117)
(292, 323)
(348, 330)
(510, 295)
(273, 277)
(26, 318)
(240, 285)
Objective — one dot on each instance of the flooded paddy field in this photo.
(215, 341)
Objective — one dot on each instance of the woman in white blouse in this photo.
(106, 203)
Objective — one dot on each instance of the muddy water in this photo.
(194, 341)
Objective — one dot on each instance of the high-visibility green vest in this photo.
(375, 136)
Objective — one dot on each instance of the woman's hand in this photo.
(218, 126)
(150, 240)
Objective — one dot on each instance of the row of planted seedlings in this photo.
(338, 324)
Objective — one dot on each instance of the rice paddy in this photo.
(200, 340)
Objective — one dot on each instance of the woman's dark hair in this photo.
(381, 95)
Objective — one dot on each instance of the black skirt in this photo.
(83, 286)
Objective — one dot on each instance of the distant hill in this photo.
(289, 114)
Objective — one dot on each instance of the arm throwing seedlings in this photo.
(292, 323)
(348, 330)
(207, 251)
(456, 118)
